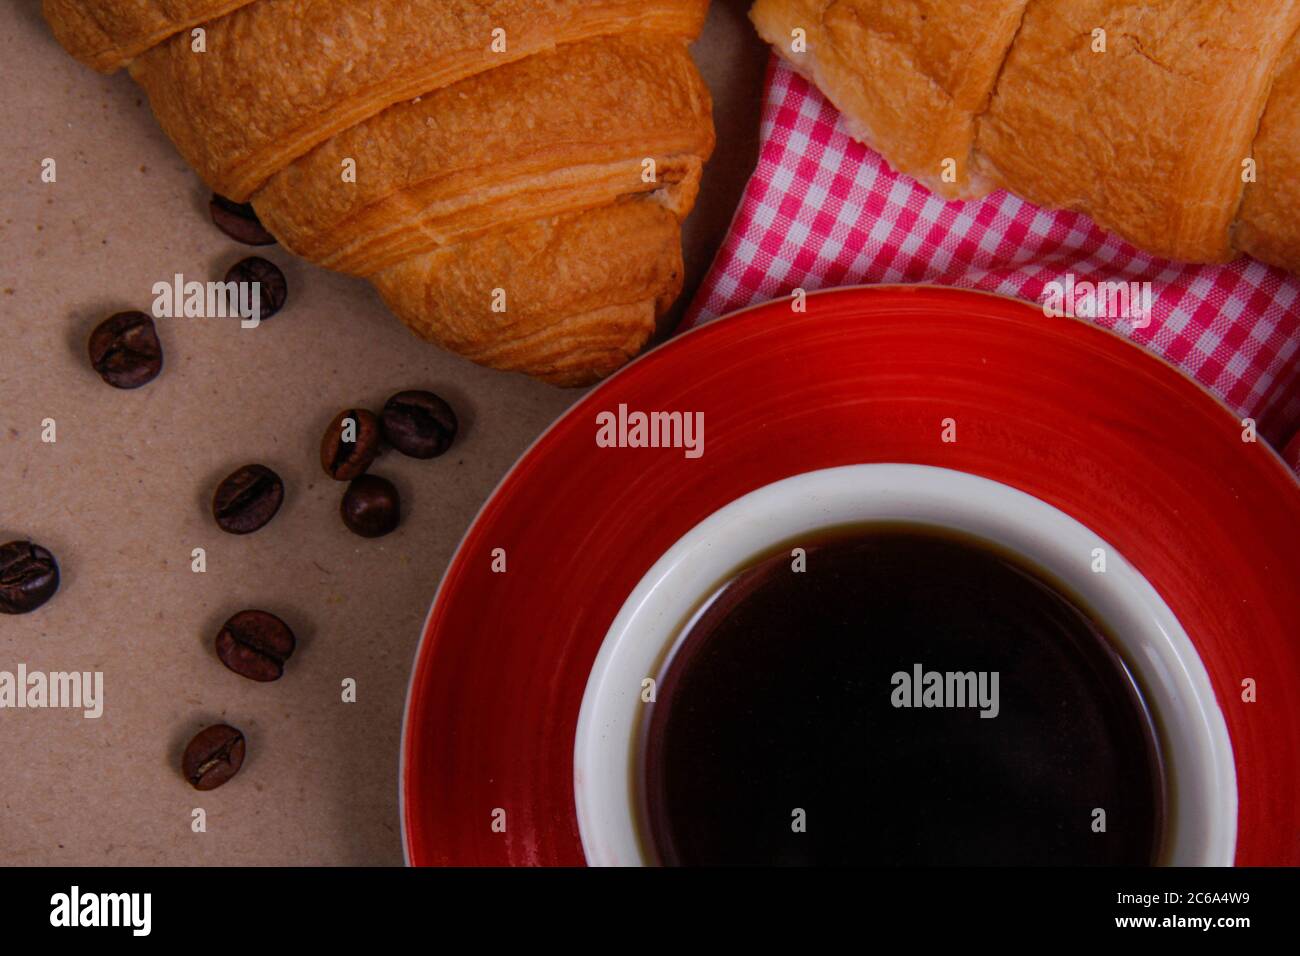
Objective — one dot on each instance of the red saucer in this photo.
(1055, 407)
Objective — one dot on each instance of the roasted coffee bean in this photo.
(125, 351)
(345, 460)
(419, 424)
(29, 576)
(247, 499)
(239, 221)
(255, 644)
(371, 507)
(272, 290)
(213, 757)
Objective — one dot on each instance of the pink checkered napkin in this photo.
(822, 210)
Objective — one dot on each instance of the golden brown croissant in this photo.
(1175, 124)
(511, 174)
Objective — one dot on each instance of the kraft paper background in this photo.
(122, 496)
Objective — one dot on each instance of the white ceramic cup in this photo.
(1201, 820)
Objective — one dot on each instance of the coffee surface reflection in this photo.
(898, 695)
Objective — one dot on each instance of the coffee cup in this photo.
(1199, 820)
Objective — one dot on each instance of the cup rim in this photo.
(1201, 820)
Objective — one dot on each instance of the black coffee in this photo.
(913, 697)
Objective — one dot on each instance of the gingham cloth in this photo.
(822, 210)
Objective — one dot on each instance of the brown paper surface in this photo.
(122, 496)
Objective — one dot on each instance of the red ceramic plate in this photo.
(1055, 407)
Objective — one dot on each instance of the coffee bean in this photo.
(419, 424)
(272, 290)
(213, 757)
(345, 460)
(125, 351)
(255, 644)
(371, 507)
(247, 499)
(239, 221)
(29, 576)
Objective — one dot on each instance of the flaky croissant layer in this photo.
(511, 174)
(1175, 124)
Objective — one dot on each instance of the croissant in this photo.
(511, 175)
(1175, 124)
